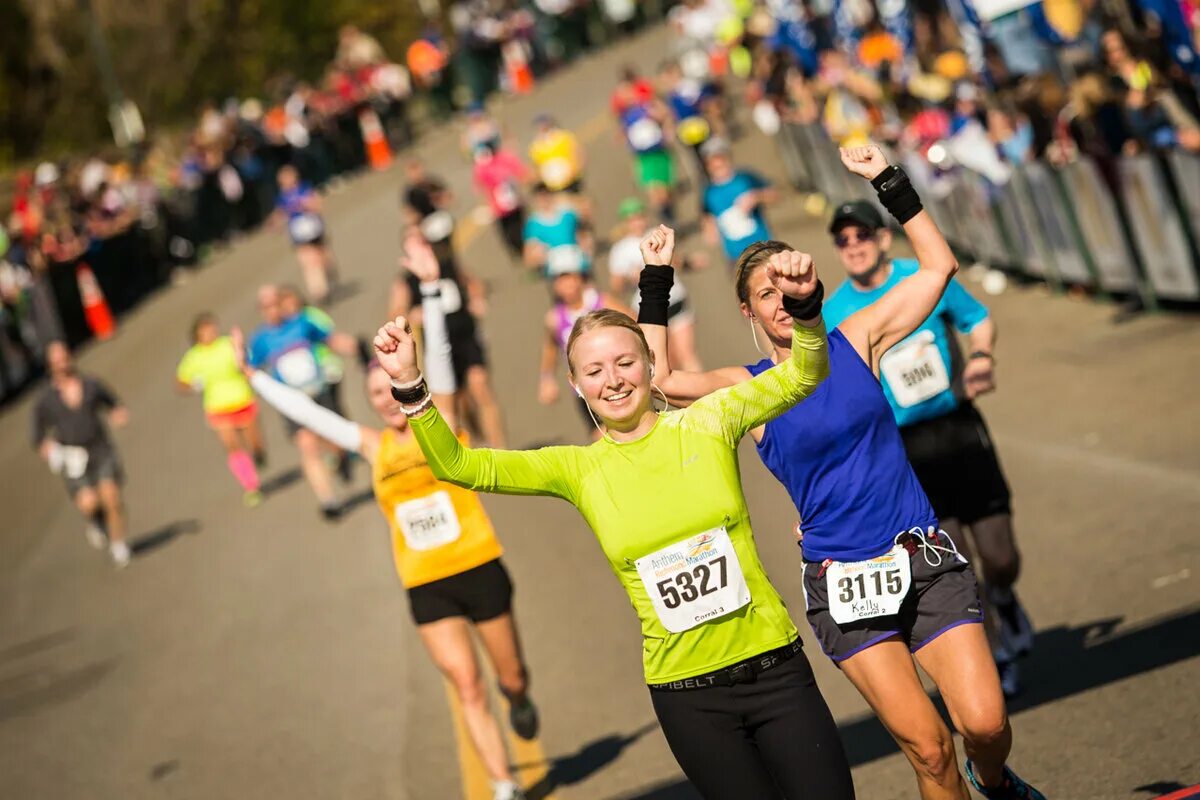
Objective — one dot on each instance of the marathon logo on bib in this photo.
(428, 522)
(915, 371)
(694, 581)
(872, 588)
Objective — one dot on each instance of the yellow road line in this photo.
(475, 781)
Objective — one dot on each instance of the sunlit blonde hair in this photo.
(605, 318)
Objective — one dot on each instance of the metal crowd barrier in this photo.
(1067, 226)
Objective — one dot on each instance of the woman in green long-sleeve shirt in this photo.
(731, 688)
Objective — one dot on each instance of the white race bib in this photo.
(70, 462)
(694, 581)
(564, 258)
(644, 134)
(736, 224)
(437, 227)
(298, 368)
(915, 370)
(872, 588)
(505, 197)
(428, 522)
(557, 173)
(305, 228)
(451, 296)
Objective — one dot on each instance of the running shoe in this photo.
(120, 554)
(1012, 787)
(523, 717)
(507, 790)
(260, 458)
(1010, 678)
(252, 499)
(95, 536)
(331, 511)
(1016, 631)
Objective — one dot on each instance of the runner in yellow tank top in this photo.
(438, 529)
(445, 549)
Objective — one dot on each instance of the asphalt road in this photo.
(264, 653)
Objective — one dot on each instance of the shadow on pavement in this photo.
(277, 483)
(588, 760)
(1169, 790)
(146, 544)
(36, 645)
(355, 500)
(27, 691)
(1095, 657)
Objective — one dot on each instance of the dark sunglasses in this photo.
(843, 240)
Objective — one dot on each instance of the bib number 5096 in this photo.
(685, 587)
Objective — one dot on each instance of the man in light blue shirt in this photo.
(930, 385)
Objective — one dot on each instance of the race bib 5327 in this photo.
(695, 580)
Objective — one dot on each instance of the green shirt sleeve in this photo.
(548, 471)
(731, 412)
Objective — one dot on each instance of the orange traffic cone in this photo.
(379, 155)
(516, 62)
(95, 309)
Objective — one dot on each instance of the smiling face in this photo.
(610, 365)
(860, 248)
(379, 393)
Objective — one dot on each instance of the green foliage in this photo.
(169, 56)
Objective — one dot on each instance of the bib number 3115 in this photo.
(695, 580)
(872, 588)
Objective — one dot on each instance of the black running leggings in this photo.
(773, 738)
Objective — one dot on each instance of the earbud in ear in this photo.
(578, 391)
(651, 372)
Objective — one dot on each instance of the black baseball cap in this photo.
(856, 212)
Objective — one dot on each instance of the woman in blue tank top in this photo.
(883, 585)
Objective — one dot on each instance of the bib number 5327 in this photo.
(689, 585)
(695, 580)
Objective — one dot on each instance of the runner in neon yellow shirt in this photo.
(210, 367)
(732, 690)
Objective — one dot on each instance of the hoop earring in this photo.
(754, 336)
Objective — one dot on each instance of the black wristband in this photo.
(809, 307)
(897, 194)
(655, 287)
(412, 396)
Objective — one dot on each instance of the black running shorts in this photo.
(478, 594)
(939, 598)
(466, 351)
(956, 464)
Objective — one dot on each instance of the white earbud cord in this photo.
(927, 541)
(754, 336)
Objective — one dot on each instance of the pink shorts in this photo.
(238, 418)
